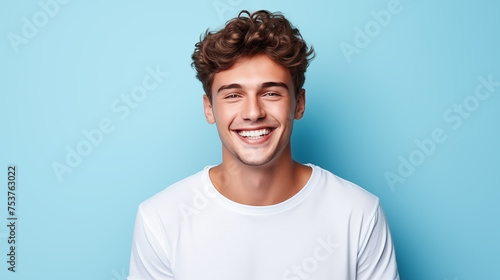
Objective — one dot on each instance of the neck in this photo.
(268, 184)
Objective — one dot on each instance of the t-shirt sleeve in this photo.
(376, 256)
(148, 259)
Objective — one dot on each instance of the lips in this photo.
(254, 134)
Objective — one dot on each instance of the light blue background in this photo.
(361, 117)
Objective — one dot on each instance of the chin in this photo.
(255, 162)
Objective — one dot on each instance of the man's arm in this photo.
(376, 256)
(148, 259)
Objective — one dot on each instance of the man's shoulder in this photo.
(343, 191)
(175, 194)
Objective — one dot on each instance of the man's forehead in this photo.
(255, 71)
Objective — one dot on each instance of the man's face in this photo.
(254, 105)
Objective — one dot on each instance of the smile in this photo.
(254, 134)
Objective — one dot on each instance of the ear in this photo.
(300, 107)
(207, 107)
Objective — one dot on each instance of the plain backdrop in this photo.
(100, 109)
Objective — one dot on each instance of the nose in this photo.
(253, 109)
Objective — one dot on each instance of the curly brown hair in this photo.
(247, 35)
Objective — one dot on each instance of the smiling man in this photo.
(259, 214)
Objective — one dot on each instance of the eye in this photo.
(272, 94)
(231, 96)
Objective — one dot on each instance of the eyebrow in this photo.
(274, 84)
(230, 86)
(263, 85)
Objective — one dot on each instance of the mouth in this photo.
(254, 134)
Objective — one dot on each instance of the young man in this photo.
(259, 214)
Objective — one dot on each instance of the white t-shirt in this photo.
(331, 229)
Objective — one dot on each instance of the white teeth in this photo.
(254, 134)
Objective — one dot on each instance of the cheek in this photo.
(286, 112)
(283, 116)
(224, 114)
